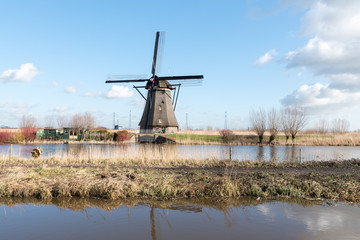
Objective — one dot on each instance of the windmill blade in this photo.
(181, 77)
(127, 81)
(160, 52)
(187, 83)
(155, 53)
(125, 76)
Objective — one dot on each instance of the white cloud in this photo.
(70, 89)
(326, 57)
(116, 91)
(332, 51)
(267, 57)
(25, 73)
(61, 109)
(319, 98)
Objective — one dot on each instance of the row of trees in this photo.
(29, 124)
(290, 121)
(85, 120)
(334, 126)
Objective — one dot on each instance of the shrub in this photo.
(16, 138)
(228, 136)
(122, 136)
(29, 134)
(4, 137)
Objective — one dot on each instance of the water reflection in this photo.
(260, 154)
(273, 154)
(253, 153)
(133, 219)
(291, 154)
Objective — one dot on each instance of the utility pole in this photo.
(130, 120)
(225, 121)
(114, 120)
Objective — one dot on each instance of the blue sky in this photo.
(55, 57)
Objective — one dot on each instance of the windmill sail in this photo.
(158, 112)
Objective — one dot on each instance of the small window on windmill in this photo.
(160, 108)
(160, 121)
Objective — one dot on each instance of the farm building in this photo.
(58, 134)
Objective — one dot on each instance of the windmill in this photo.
(158, 115)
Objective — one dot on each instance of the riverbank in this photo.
(236, 137)
(220, 180)
(250, 138)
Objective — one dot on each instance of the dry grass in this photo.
(326, 180)
(243, 137)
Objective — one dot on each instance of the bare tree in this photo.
(285, 122)
(62, 121)
(258, 122)
(273, 124)
(49, 121)
(28, 121)
(28, 127)
(82, 121)
(76, 121)
(322, 126)
(340, 125)
(293, 120)
(88, 121)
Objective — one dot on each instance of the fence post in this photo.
(10, 151)
(89, 152)
(162, 152)
(300, 155)
(230, 153)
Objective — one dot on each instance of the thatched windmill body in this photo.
(158, 115)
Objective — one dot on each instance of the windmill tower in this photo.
(158, 115)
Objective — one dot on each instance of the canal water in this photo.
(92, 219)
(253, 153)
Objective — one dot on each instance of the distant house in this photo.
(51, 134)
(71, 134)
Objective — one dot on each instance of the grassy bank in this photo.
(250, 138)
(218, 180)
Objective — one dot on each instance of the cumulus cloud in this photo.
(320, 98)
(267, 57)
(333, 52)
(70, 89)
(25, 73)
(116, 91)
